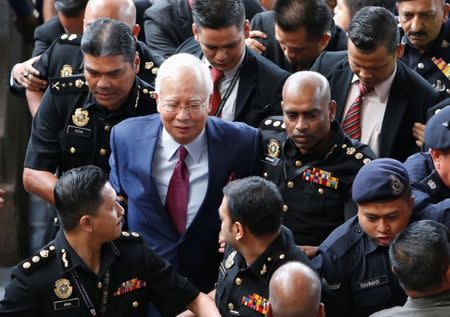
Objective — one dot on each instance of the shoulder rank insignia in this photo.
(129, 286)
(320, 177)
(442, 65)
(256, 302)
(273, 148)
(63, 289)
(66, 71)
(229, 262)
(67, 84)
(81, 117)
(273, 123)
(41, 257)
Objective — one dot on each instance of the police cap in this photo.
(437, 131)
(380, 180)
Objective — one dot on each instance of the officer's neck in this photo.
(88, 249)
(253, 247)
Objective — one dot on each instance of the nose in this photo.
(383, 226)
(364, 74)
(221, 55)
(290, 54)
(301, 124)
(103, 82)
(182, 114)
(416, 24)
(120, 210)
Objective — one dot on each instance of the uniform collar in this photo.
(69, 260)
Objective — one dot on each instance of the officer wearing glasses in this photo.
(172, 167)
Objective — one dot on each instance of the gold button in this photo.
(99, 285)
(35, 259)
(155, 70)
(26, 265)
(265, 174)
(148, 65)
(103, 152)
(269, 259)
(282, 256)
(55, 220)
(72, 150)
(321, 191)
(285, 208)
(135, 304)
(298, 163)
(52, 248)
(238, 281)
(107, 128)
(290, 184)
(230, 306)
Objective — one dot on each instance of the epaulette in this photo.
(148, 91)
(273, 123)
(129, 236)
(150, 66)
(350, 150)
(41, 257)
(68, 85)
(70, 39)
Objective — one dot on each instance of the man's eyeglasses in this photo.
(190, 108)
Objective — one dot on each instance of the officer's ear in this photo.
(446, 11)
(137, 63)
(195, 31)
(399, 50)
(239, 230)
(86, 223)
(332, 110)
(436, 156)
(157, 102)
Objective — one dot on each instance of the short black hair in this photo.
(256, 203)
(420, 255)
(71, 8)
(108, 37)
(314, 15)
(355, 5)
(372, 27)
(217, 14)
(77, 193)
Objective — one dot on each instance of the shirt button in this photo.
(321, 191)
(72, 150)
(238, 281)
(99, 285)
(420, 66)
(135, 304)
(103, 152)
(298, 163)
(230, 306)
(265, 174)
(285, 208)
(282, 256)
(290, 184)
(107, 128)
(55, 220)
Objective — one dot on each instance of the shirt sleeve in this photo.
(17, 300)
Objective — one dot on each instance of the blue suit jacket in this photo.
(232, 151)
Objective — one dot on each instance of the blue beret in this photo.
(437, 131)
(381, 180)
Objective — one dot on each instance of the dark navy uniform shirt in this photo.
(316, 188)
(356, 273)
(433, 65)
(131, 275)
(244, 290)
(71, 129)
(431, 194)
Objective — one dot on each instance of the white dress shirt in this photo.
(164, 161)
(372, 109)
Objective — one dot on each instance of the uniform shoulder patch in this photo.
(37, 260)
(68, 85)
(68, 38)
(275, 123)
(126, 235)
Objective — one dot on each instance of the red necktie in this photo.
(216, 98)
(352, 122)
(178, 193)
(190, 4)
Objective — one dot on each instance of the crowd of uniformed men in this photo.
(269, 158)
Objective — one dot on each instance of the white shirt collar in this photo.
(231, 72)
(194, 148)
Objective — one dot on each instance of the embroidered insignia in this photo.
(264, 269)
(81, 117)
(129, 286)
(397, 186)
(442, 65)
(66, 71)
(256, 302)
(229, 262)
(64, 258)
(431, 184)
(320, 177)
(63, 289)
(273, 149)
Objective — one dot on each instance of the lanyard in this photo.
(84, 294)
(228, 92)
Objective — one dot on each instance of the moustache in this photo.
(418, 34)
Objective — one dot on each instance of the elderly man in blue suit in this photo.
(171, 167)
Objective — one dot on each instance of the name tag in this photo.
(66, 304)
(71, 129)
(376, 281)
(271, 160)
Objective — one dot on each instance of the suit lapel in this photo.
(247, 82)
(395, 111)
(340, 86)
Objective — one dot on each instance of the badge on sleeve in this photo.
(81, 117)
(63, 289)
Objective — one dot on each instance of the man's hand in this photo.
(419, 133)
(309, 250)
(2, 194)
(252, 43)
(26, 75)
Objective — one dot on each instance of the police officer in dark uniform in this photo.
(73, 124)
(353, 261)
(257, 245)
(92, 268)
(311, 160)
(426, 40)
(64, 57)
(430, 172)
